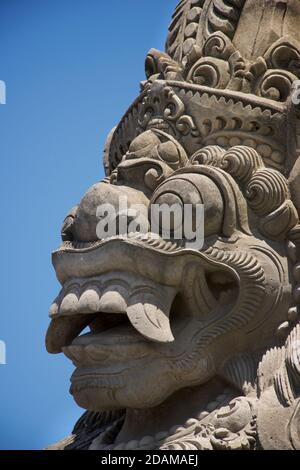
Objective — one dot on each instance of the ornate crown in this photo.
(217, 85)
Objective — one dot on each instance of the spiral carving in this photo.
(266, 191)
(174, 106)
(277, 85)
(242, 162)
(219, 46)
(185, 125)
(211, 155)
(285, 55)
(210, 72)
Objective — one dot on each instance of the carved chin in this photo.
(119, 368)
(143, 384)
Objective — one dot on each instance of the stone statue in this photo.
(194, 349)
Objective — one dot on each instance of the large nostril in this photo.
(67, 228)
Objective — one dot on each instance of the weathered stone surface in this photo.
(194, 349)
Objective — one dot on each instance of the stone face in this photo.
(193, 348)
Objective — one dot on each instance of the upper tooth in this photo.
(89, 302)
(151, 322)
(54, 309)
(149, 314)
(113, 301)
(146, 304)
(69, 304)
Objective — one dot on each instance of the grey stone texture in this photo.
(194, 349)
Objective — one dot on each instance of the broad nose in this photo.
(82, 221)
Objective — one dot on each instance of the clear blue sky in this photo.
(71, 67)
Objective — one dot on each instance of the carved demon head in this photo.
(214, 125)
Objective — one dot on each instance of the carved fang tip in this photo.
(151, 322)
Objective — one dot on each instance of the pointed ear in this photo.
(294, 182)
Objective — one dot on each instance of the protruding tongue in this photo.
(149, 314)
(63, 330)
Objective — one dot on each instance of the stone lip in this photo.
(138, 257)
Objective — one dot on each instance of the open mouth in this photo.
(110, 300)
(130, 311)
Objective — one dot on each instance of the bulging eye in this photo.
(184, 194)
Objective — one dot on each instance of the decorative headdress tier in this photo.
(226, 79)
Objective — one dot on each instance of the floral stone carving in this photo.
(194, 348)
